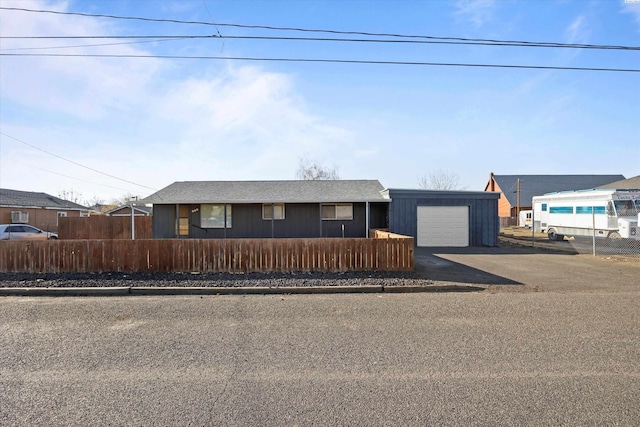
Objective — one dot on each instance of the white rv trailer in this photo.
(612, 213)
(526, 218)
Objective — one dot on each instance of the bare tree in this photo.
(95, 200)
(124, 199)
(312, 170)
(440, 180)
(70, 195)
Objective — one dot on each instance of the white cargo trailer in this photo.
(526, 219)
(603, 212)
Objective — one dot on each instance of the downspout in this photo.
(225, 220)
(177, 233)
(273, 224)
(367, 225)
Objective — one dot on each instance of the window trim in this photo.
(227, 214)
(21, 216)
(268, 205)
(335, 212)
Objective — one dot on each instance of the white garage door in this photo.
(443, 226)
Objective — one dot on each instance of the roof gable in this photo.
(537, 185)
(126, 209)
(28, 199)
(300, 191)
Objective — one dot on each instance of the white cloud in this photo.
(577, 31)
(244, 116)
(634, 9)
(478, 12)
(83, 87)
(133, 119)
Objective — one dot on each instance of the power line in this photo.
(78, 179)
(370, 34)
(333, 39)
(335, 61)
(204, 2)
(76, 163)
(84, 45)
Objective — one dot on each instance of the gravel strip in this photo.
(212, 280)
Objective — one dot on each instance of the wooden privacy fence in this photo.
(104, 227)
(208, 255)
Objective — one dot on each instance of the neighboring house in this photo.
(38, 209)
(125, 210)
(627, 184)
(265, 209)
(518, 190)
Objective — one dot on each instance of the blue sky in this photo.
(153, 121)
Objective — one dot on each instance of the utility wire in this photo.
(85, 45)
(76, 163)
(204, 2)
(332, 39)
(78, 179)
(335, 61)
(264, 27)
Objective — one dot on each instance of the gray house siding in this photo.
(163, 221)
(483, 211)
(302, 220)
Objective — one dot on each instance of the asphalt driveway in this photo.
(515, 268)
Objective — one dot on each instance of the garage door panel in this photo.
(443, 226)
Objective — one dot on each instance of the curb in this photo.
(66, 292)
(151, 291)
(254, 290)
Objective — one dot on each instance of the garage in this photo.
(443, 226)
(437, 218)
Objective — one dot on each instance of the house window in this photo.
(84, 214)
(337, 211)
(19, 217)
(544, 207)
(60, 215)
(213, 216)
(183, 220)
(278, 211)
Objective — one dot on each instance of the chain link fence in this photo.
(592, 245)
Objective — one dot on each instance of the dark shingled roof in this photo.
(537, 185)
(624, 184)
(321, 191)
(28, 199)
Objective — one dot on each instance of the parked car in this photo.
(24, 232)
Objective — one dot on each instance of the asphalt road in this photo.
(486, 358)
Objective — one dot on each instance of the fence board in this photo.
(208, 255)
